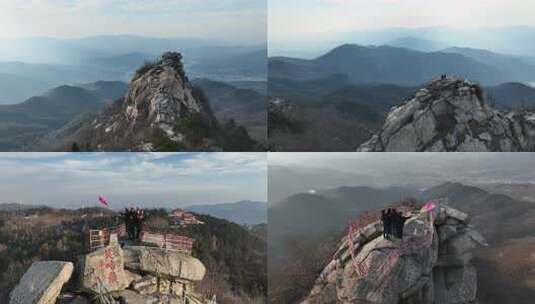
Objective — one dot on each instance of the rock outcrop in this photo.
(450, 114)
(42, 283)
(430, 265)
(103, 271)
(158, 95)
(135, 274)
(160, 111)
(162, 263)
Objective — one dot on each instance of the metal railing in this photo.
(179, 243)
(169, 241)
(100, 238)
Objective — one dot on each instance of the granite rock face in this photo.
(135, 274)
(103, 271)
(42, 283)
(450, 114)
(159, 95)
(164, 264)
(431, 265)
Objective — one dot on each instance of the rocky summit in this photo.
(451, 114)
(161, 111)
(159, 94)
(103, 270)
(130, 275)
(431, 264)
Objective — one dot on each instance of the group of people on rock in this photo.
(393, 223)
(133, 220)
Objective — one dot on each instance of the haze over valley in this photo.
(54, 75)
(314, 198)
(333, 84)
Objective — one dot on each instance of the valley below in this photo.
(38, 101)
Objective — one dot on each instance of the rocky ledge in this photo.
(451, 114)
(129, 275)
(431, 265)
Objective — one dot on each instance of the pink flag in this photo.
(429, 206)
(103, 200)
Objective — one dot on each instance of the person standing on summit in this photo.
(384, 220)
(140, 217)
(400, 224)
(132, 224)
(127, 222)
(135, 224)
(390, 224)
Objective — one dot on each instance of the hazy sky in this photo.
(143, 179)
(400, 169)
(234, 20)
(302, 20)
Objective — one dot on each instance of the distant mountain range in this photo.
(516, 40)
(21, 124)
(106, 90)
(335, 101)
(246, 106)
(12, 207)
(417, 44)
(17, 88)
(25, 73)
(82, 51)
(243, 212)
(402, 66)
(521, 192)
(511, 95)
(247, 64)
(20, 81)
(512, 40)
(311, 213)
(68, 106)
(515, 217)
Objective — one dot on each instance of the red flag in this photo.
(103, 200)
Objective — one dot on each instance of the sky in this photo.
(309, 171)
(317, 20)
(73, 180)
(235, 20)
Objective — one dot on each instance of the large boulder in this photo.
(163, 264)
(103, 271)
(451, 114)
(430, 265)
(42, 283)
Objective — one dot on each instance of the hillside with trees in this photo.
(235, 257)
